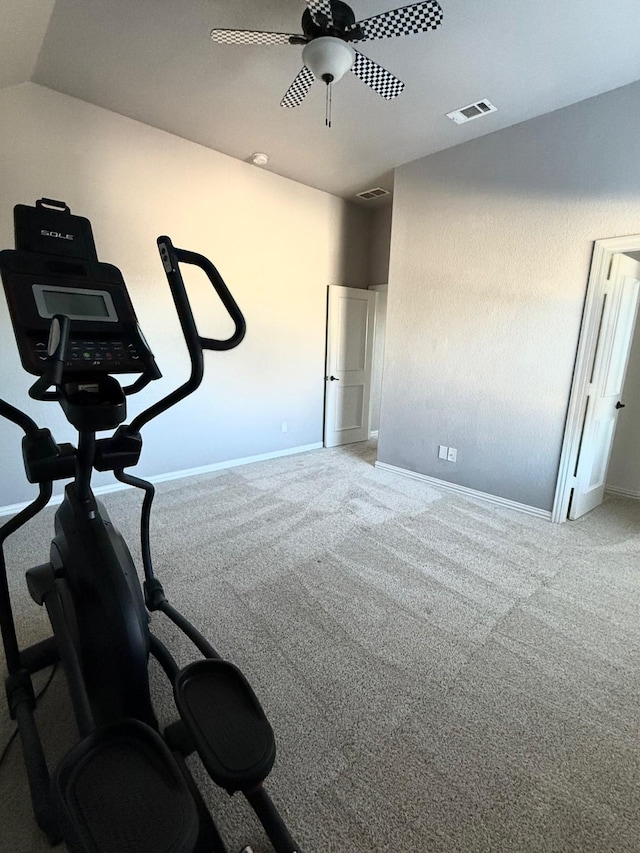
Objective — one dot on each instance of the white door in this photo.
(350, 331)
(605, 389)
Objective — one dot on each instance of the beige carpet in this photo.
(442, 675)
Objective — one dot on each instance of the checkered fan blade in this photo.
(252, 37)
(297, 91)
(416, 18)
(378, 78)
(320, 6)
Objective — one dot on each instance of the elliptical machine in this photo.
(125, 784)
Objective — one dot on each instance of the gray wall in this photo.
(490, 253)
(380, 244)
(277, 243)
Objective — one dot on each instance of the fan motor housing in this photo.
(343, 17)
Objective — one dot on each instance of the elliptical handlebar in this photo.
(171, 258)
(56, 349)
(18, 417)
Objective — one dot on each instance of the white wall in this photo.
(490, 253)
(277, 243)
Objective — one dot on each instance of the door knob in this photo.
(334, 379)
(620, 405)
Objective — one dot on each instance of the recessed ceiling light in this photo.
(259, 159)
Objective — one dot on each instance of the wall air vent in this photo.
(376, 192)
(471, 111)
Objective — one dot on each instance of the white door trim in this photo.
(377, 363)
(603, 253)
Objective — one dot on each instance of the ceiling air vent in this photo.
(468, 113)
(376, 192)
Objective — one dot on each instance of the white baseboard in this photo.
(470, 493)
(177, 475)
(622, 493)
(233, 463)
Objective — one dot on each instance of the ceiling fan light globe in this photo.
(328, 58)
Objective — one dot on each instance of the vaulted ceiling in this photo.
(153, 60)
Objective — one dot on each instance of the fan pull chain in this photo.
(329, 82)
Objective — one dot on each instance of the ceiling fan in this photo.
(329, 28)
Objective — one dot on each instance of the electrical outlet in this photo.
(452, 455)
(442, 452)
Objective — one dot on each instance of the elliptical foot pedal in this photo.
(232, 734)
(119, 790)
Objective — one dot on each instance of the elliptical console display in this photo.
(54, 269)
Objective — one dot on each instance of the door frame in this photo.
(602, 259)
(333, 350)
(377, 363)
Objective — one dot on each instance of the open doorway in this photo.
(623, 476)
(605, 344)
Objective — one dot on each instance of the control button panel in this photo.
(99, 355)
